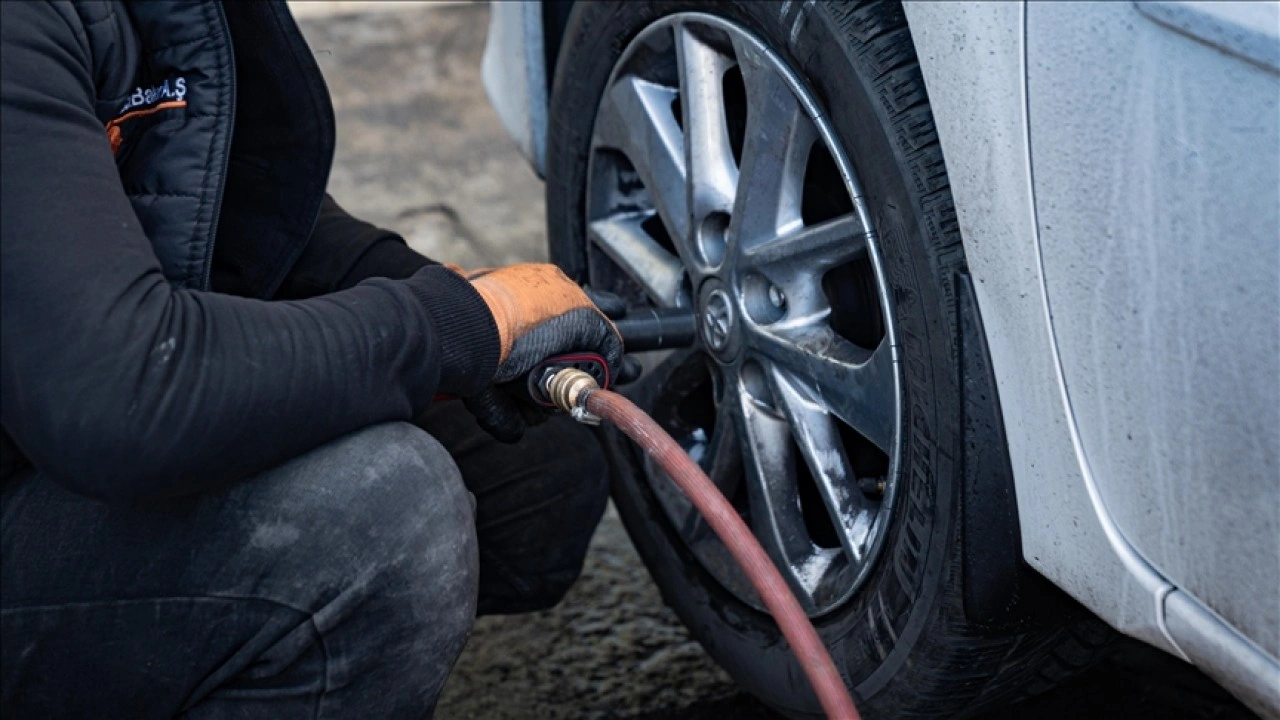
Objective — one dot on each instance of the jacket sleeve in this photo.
(343, 251)
(121, 386)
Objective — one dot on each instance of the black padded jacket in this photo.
(180, 303)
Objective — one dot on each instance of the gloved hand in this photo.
(539, 313)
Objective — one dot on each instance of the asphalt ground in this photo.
(421, 151)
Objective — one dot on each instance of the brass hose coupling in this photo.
(568, 390)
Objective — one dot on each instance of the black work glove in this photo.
(540, 313)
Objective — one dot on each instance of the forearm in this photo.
(180, 391)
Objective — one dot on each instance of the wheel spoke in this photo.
(624, 239)
(775, 514)
(635, 118)
(820, 445)
(713, 173)
(858, 386)
(675, 369)
(775, 151)
(724, 458)
(819, 247)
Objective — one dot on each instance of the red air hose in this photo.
(726, 523)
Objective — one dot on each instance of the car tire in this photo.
(918, 638)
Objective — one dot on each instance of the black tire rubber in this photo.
(904, 642)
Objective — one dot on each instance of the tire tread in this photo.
(962, 672)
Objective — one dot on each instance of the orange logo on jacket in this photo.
(164, 96)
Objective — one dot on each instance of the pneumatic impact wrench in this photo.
(642, 328)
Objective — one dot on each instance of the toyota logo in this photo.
(717, 319)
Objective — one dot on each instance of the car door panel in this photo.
(1156, 171)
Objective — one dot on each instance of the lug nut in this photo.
(776, 297)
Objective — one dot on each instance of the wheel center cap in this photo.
(719, 319)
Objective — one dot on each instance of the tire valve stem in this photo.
(872, 486)
(574, 391)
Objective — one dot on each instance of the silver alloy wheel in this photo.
(715, 183)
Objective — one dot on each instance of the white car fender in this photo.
(515, 76)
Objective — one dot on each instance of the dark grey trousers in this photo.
(342, 584)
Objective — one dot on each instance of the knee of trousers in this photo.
(583, 476)
(391, 556)
(573, 474)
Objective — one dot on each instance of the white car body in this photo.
(1115, 168)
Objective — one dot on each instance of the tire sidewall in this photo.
(873, 635)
